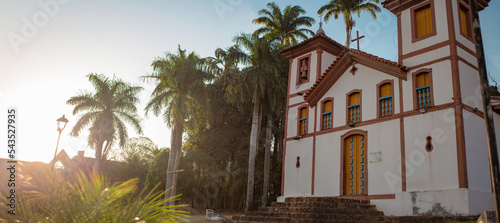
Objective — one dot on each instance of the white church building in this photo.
(409, 136)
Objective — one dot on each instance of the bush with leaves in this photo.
(157, 174)
(51, 198)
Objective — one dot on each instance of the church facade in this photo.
(409, 135)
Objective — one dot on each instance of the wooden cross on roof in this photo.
(357, 38)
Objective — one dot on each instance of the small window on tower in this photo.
(423, 24)
(465, 21)
(423, 89)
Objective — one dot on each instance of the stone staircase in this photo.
(314, 209)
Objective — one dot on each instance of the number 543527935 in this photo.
(11, 132)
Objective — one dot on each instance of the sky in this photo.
(47, 47)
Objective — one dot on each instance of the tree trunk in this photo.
(252, 152)
(281, 138)
(105, 150)
(175, 145)
(176, 167)
(348, 30)
(267, 159)
(98, 156)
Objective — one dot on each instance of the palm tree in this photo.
(106, 111)
(347, 8)
(180, 89)
(284, 25)
(274, 103)
(253, 82)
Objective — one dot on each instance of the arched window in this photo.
(354, 107)
(423, 90)
(385, 99)
(303, 121)
(327, 114)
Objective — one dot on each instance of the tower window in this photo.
(423, 96)
(465, 21)
(423, 21)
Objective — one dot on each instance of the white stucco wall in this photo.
(384, 176)
(408, 92)
(291, 122)
(326, 60)
(296, 100)
(470, 87)
(442, 82)
(434, 170)
(480, 201)
(478, 169)
(298, 180)
(467, 56)
(427, 57)
(328, 161)
(461, 201)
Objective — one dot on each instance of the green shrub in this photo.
(92, 198)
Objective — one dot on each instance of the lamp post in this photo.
(61, 124)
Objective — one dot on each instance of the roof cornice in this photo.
(319, 41)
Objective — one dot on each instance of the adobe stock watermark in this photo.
(30, 26)
(223, 6)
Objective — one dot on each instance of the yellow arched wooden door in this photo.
(355, 165)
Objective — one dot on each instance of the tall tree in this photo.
(252, 83)
(106, 110)
(178, 96)
(347, 8)
(274, 102)
(284, 25)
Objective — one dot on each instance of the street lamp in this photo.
(61, 124)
